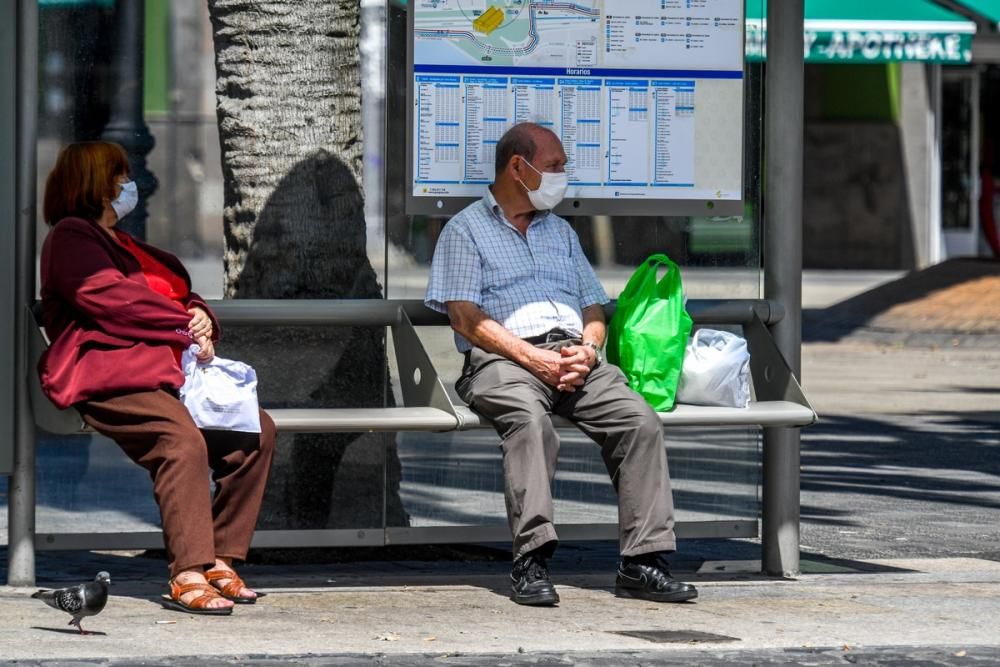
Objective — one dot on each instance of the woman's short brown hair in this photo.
(84, 176)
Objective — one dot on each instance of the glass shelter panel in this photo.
(143, 74)
(457, 479)
(346, 483)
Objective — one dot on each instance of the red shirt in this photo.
(161, 279)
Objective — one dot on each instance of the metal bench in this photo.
(427, 407)
(779, 400)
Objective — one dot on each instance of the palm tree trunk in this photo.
(289, 110)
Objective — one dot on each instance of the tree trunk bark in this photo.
(289, 110)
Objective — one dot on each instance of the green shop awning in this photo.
(873, 31)
(988, 10)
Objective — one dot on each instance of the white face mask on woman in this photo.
(550, 191)
(126, 200)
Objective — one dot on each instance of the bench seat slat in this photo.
(762, 413)
(361, 420)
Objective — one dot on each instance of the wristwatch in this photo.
(597, 350)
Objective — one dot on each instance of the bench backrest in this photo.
(47, 416)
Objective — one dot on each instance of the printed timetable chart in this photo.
(646, 95)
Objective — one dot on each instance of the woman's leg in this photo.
(155, 430)
(241, 464)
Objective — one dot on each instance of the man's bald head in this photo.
(523, 139)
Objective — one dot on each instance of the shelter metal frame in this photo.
(782, 287)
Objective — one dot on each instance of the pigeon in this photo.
(79, 601)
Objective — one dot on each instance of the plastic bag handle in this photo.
(695, 347)
(671, 281)
(646, 272)
(694, 343)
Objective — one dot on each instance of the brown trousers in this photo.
(156, 431)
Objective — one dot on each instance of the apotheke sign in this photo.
(871, 46)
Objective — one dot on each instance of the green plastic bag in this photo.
(649, 332)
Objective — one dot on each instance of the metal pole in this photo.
(21, 547)
(8, 233)
(935, 228)
(783, 136)
(127, 125)
(604, 241)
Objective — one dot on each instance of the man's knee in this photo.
(644, 421)
(526, 426)
(649, 422)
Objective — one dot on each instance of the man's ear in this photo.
(514, 167)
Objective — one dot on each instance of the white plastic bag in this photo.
(220, 394)
(716, 370)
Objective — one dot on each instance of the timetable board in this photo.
(645, 95)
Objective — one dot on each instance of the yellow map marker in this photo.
(488, 21)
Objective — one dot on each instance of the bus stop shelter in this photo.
(782, 243)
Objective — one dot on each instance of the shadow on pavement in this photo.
(64, 631)
(920, 303)
(951, 458)
(589, 565)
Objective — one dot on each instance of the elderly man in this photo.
(526, 308)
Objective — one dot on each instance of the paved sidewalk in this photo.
(450, 613)
(901, 468)
(905, 459)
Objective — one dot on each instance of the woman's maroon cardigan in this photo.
(111, 334)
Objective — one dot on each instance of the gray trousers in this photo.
(612, 415)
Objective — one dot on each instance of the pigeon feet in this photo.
(79, 627)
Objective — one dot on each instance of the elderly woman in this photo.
(119, 314)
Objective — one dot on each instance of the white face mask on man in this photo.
(126, 200)
(550, 191)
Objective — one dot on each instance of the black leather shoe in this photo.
(651, 580)
(530, 583)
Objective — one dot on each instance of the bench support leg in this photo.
(780, 500)
(418, 379)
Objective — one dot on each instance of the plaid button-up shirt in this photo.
(530, 284)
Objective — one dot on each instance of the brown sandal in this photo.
(230, 591)
(196, 606)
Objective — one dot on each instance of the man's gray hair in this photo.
(518, 140)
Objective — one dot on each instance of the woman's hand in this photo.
(200, 324)
(207, 352)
